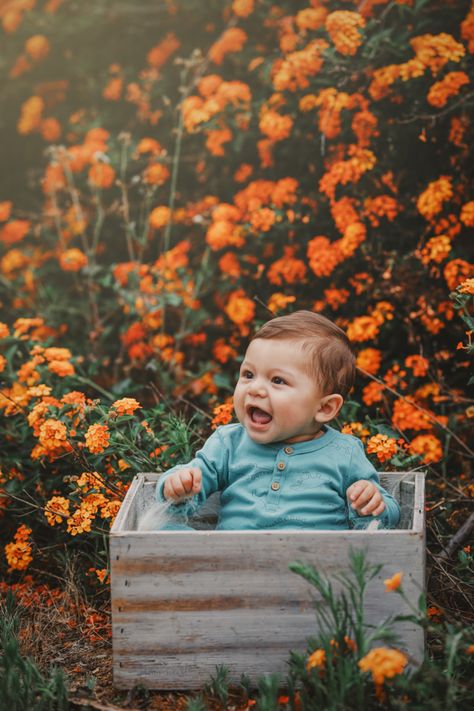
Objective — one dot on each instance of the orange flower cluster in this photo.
(30, 117)
(159, 55)
(434, 51)
(292, 72)
(57, 510)
(125, 406)
(428, 447)
(311, 18)
(383, 446)
(437, 249)
(441, 91)
(18, 553)
(243, 8)
(369, 359)
(324, 256)
(278, 302)
(240, 309)
(431, 200)
(231, 41)
(336, 297)
(351, 170)
(275, 126)
(381, 206)
(216, 95)
(73, 260)
(343, 28)
(406, 416)
(288, 269)
(383, 663)
(467, 29)
(467, 214)
(418, 364)
(316, 660)
(222, 414)
(357, 429)
(97, 438)
(456, 271)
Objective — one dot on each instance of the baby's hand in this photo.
(183, 484)
(365, 498)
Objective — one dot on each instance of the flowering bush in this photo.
(278, 157)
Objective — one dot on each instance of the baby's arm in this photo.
(366, 497)
(190, 484)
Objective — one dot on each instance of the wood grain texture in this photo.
(185, 601)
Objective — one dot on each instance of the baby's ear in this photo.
(328, 408)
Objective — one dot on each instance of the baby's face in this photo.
(275, 398)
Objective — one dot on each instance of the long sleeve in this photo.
(212, 459)
(361, 468)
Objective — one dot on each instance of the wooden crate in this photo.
(185, 601)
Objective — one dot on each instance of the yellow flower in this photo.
(383, 663)
(316, 659)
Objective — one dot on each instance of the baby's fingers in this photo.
(375, 506)
(197, 479)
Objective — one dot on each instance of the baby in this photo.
(282, 466)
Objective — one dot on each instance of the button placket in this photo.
(281, 466)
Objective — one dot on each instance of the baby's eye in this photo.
(247, 374)
(278, 381)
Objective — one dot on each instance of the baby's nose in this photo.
(257, 387)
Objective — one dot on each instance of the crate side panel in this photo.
(183, 603)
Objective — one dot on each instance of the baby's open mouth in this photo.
(260, 417)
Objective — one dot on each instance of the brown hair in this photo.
(331, 361)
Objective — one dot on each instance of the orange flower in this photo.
(101, 175)
(311, 18)
(158, 55)
(278, 302)
(14, 231)
(126, 406)
(428, 447)
(243, 8)
(18, 553)
(80, 521)
(224, 233)
(73, 260)
(97, 438)
(357, 429)
(229, 264)
(243, 172)
(372, 393)
(50, 129)
(156, 174)
(369, 359)
(393, 583)
(216, 139)
(222, 414)
(466, 287)
(222, 351)
(53, 435)
(61, 368)
(159, 217)
(30, 116)
(293, 71)
(441, 91)
(56, 510)
(437, 249)
(262, 220)
(231, 41)
(467, 214)
(363, 328)
(383, 663)
(316, 660)
(418, 364)
(430, 202)
(275, 126)
(37, 47)
(288, 269)
(383, 446)
(456, 271)
(323, 256)
(240, 309)
(4, 330)
(434, 51)
(5, 210)
(408, 417)
(343, 29)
